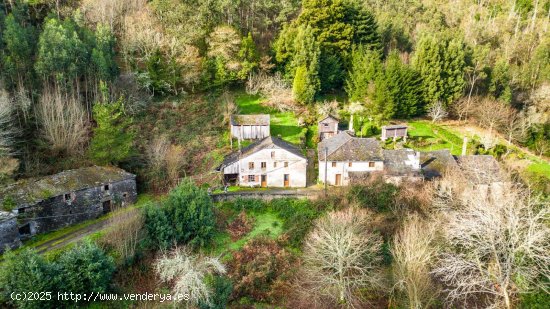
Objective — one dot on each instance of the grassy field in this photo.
(284, 124)
(426, 136)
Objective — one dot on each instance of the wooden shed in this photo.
(327, 127)
(250, 126)
(394, 131)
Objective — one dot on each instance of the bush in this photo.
(187, 216)
(222, 288)
(376, 194)
(242, 204)
(298, 217)
(26, 272)
(84, 269)
(258, 268)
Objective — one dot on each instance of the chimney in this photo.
(464, 146)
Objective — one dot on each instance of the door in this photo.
(287, 180)
(107, 207)
(338, 181)
(264, 181)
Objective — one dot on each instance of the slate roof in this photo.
(395, 126)
(331, 117)
(344, 147)
(400, 162)
(33, 190)
(480, 169)
(250, 120)
(269, 142)
(434, 163)
(4, 216)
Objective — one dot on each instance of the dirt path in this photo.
(71, 237)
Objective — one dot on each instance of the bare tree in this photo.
(64, 120)
(341, 256)
(277, 91)
(7, 127)
(498, 245)
(187, 272)
(437, 111)
(413, 252)
(124, 233)
(175, 160)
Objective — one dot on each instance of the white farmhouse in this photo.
(270, 162)
(345, 156)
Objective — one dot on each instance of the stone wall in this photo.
(266, 195)
(74, 207)
(9, 236)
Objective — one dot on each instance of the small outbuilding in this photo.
(327, 127)
(394, 131)
(246, 127)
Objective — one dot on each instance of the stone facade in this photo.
(67, 198)
(9, 236)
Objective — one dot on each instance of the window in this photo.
(272, 154)
(251, 178)
(325, 125)
(67, 198)
(333, 164)
(250, 165)
(274, 164)
(371, 164)
(264, 165)
(350, 164)
(106, 187)
(286, 164)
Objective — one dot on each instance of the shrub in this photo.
(26, 272)
(258, 267)
(375, 194)
(159, 228)
(298, 217)
(240, 226)
(85, 268)
(254, 205)
(191, 213)
(222, 288)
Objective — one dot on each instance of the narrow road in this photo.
(72, 237)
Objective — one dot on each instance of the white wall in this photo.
(250, 132)
(296, 169)
(343, 169)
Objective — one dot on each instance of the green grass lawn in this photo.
(267, 224)
(426, 136)
(284, 124)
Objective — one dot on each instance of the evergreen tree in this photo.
(404, 86)
(113, 137)
(365, 65)
(499, 85)
(19, 44)
(306, 82)
(365, 28)
(440, 61)
(249, 57)
(105, 67)
(62, 54)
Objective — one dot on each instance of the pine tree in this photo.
(249, 57)
(306, 82)
(365, 65)
(113, 137)
(104, 65)
(19, 41)
(454, 63)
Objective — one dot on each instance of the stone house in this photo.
(270, 162)
(72, 196)
(402, 165)
(327, 127)
(245, 127)
(394, 131)
(345, 156)
(9, 235)
(435, 163)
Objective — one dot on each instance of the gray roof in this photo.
(435, 163)
(395, 162)
(269, 142)
(250, 120)
(33, 190)
(395, 126)
(344, 147)
(481, 169)
(330, 117)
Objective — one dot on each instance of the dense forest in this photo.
(80, 75)
(150, 85)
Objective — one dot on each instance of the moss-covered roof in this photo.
(250, 120)
(32, 190)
